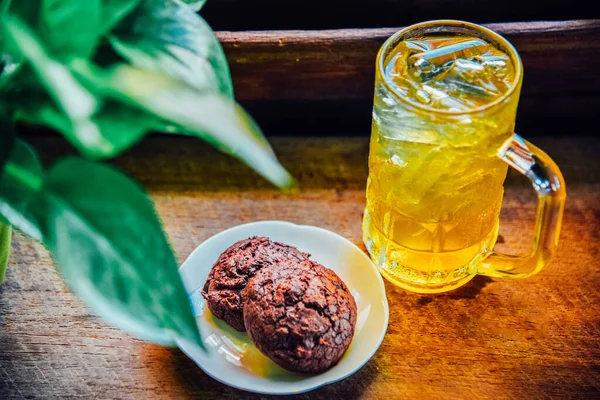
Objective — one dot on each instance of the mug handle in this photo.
(549, 184)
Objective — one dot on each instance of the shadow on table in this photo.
(470, 291)
(197, 383)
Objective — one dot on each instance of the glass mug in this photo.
(446, 95)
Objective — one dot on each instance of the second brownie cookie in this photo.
(300, 316)
(235, 267)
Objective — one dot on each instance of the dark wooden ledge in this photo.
(559, 58)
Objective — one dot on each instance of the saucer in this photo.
(232, 359)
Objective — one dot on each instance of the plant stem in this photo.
(5, 236)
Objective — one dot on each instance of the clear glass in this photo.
(436, 178)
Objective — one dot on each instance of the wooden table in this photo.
(535, 338)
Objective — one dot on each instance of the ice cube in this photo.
(422, 96)
(497, 65)
(469, 66)
(493, 61)
(469, 78)
(469, 82)
(443, 99)
(453, 73)
(430, 63)
(397, 160)
(418, 46)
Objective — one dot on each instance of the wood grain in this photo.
(537, 338)
(559, 58)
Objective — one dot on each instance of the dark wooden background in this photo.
(307, 82)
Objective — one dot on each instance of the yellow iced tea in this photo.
(444, 105)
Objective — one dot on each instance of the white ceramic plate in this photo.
(233, 360)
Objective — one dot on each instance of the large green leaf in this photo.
(110, 247)
(208, 115)
(120, 125)
(123, 125)
(107, 240)
(20, 183)
(27, 11)
(73, 99)
(95, 127)
(4, 8)
(71, 28)
(169, 37)
(113, 11)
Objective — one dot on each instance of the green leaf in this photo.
(113, 11)
(107, 240)
(196, 5)
(71, 28)
(27, 11)
(168, 36)
(4, 7)
(96, 128)
(19, 185)
(208, 115)
(74, 100)
(121, 126)
(109, 244)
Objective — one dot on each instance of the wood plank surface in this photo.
(537, 338)
(300, 82)
(559, 58)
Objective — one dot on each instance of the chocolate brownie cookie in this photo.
(234, 267)
(300, 316)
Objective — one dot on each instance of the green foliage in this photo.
(206, 114)
(70, 28)
(113, 11)
(19, 184)
(77, 104)
(104, 73)
(108, 244)
(180, 44)
(135, 284)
